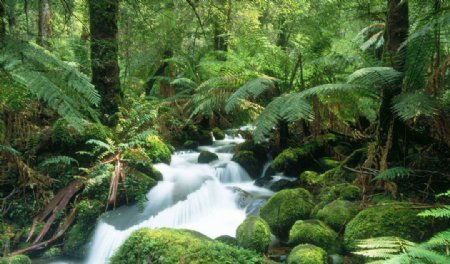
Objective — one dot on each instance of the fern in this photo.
(333, 89)
(393, 174)
(374, 77)
(408, 106)
(252, 89)
(9, 150)
(437, 212)
(64, 160)
(56, 83)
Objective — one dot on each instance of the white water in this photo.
(201, 197)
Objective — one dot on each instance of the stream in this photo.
(209, 198)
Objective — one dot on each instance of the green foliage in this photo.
(311, 178)
(342, 191)
(337, 213)
(307, 254)
(254, 233)
(62, 87)
(18, 259)
(391, 219)
(393, 174)
(313, 232)
(58, 160)
(295, 160)
(284, 208)
(173, 246)
(409, 106)
(157, 150)
(9, 150)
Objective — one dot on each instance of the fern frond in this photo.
(64, 160)
(296, 108)
(375, 77)
(393, 174)
(252, 89)
(437, 212)
(184, 83)
(100, 144)
(438, 240)
(9, 150)
(411, 105)
(269, 117)
(332, 89)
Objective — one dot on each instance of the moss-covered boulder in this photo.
(207, 157)
(168, 246)
(343, 191)
(293, 161)
(157, 150)
(18, 259)
(190, 145)
(389, 219)
(337, 213)
(249, 162)
(229, 240)
(312, 232)
(307, 254)
(218, 133)
(311, 178)
(284, 208)
(254, 233)
(259, 151)
(52, 252)
(66, 136)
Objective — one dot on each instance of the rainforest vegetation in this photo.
(349, 99)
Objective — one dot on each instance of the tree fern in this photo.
(393, 174)
(412, 105)
(374, 77)
(56, 83)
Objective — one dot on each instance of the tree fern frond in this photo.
(184, 83)
(296, 108)
(64, 160)
(9, 150)
(269, 117)
(411, 105)
(375, 77)
(332, 89)
(392, 174)
(251, 89)
(438, 240)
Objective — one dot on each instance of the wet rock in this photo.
(254, 206)
(207, 157)
(254, 233)
(190, 145)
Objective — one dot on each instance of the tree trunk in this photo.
(44, 23)
(2, 23)
(104, 48)
(396, 32)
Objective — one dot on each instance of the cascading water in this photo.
(208, 198)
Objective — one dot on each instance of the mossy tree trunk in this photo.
(396, 33)
(104, 48)
(44, 23)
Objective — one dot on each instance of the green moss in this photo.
(76, 240)
(337, 213)
(218, 133)
(67, 136)
(259, 151)
(18, 259)
(207, 157)
(157, 150)
(190, 145)
(254, 233)
(295, 160)
(328, 163)
(307, 254)
(312, 232)
(311, 178)
(53, 252)
(344, 191)
(391, 219)
(177, 246)
(249, 162)
(284, 208)
(229, 240)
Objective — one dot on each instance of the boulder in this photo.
(337, 213)
(190, 145)
(254, 233)
(249, 162)
(313, 232)
(218, 133)
(284, 208)
(207, 157)
(157, 150)
(307, 254)
(293, 161)
(18, 259)
(167, 246)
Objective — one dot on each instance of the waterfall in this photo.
(200, 197)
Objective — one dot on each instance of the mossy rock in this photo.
(157, 150)
(249, 162)
(218, 133)
(190, 145)
(343, 191)
(259, 151)
(204, 138)
(338, 175)
(284, 208)
(75, 244)
(312, 232)
(229, 240)
(337, 213)
(311, 178)
(168, 246)
(328, 163)
(18, 259)
(254, 233)
(293, 161)
(67, 136)
(390, 219)
(53, 252)
(147, 168)
(307, 254)
(207, 157)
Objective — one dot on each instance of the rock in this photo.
(249, 162)
(244, 198)
(204, 138)
(313, 232)
(229, 240)
(311, 178)
(157, 150)
(178, 246)
(53, 252)
(207, 157)
(388, 219)
(190, 145)
(254, 207)
(218, 133)
(337, 213)
(263, 181)
(254, 233)
(293, 161)
(307, 254)
(284, 208)
(344, 191)
(281, 185)
(18, 259)
(259, 151)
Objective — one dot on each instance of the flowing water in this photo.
(210, 198)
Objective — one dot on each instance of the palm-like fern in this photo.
(393, 173)
(58, 84)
